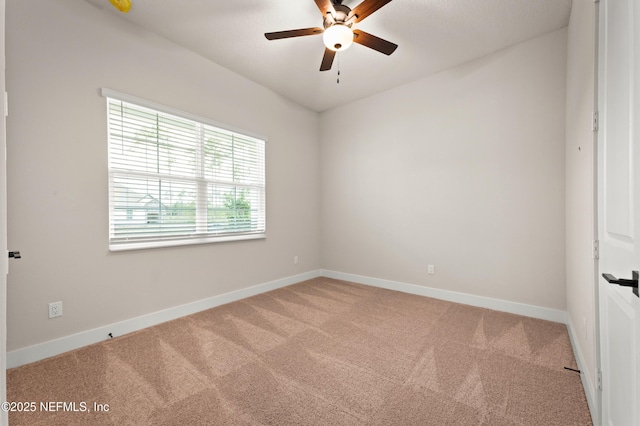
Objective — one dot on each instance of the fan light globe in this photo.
(338, 37)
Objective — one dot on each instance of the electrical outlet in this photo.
(55, 309)
(431, 269)
(295, 260)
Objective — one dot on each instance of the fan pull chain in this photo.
(338, 78)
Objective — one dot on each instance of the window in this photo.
(178, 179)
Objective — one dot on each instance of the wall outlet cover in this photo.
(55, 309)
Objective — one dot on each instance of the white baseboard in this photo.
(64, 344)
(585, 375)
(548, 314)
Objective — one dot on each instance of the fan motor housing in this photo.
(341, 16)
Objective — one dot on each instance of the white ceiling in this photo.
(432, 35)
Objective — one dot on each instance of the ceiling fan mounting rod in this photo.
(341, 16)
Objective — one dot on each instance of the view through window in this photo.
(175, 180)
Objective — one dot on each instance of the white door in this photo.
(4, 267)
(3, 229)
(619, 209)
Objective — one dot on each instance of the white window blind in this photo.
(178, 180)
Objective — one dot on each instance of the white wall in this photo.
(463, 170)
(59, 55)
(580, 189)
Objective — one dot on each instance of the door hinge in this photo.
(596, 249)
(599, 380)
(594, 121)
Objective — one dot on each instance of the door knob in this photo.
(633, 282)
(15, 255)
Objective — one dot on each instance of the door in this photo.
(619, 209)
(4, 267)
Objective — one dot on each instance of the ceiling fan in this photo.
(338, 32)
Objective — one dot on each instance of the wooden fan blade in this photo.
(293, 33)
(325, 6)
(373, 42)
(327, 59)
(367, 7)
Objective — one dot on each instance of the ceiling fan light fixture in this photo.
(338, 37)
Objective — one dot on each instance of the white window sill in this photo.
(126, 246)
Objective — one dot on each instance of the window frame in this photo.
(186, 238)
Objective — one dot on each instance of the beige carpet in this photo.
(322, 352)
